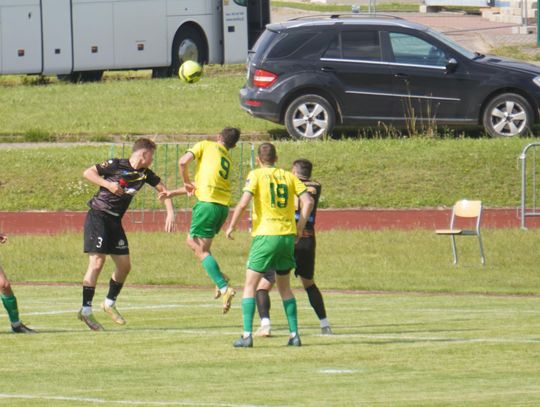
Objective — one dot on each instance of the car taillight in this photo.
(263, 79)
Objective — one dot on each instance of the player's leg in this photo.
(289, 305)
(97, 236)
(304, 254)
(284, 263)
(10, 304)
(263, 302)
(260, 256)
(207, 220)
(96, 261)
(123, 267)
(248, 308)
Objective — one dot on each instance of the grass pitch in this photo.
(399, 350)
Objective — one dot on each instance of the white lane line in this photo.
(431, 339)
(139, 307)
(125, 402)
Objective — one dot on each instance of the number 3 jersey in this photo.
(119, 170)
(273, 191)
(213, 172)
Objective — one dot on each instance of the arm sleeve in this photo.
(107, 167)
(299, 186)
(152, 179)
(197, 150)
(251, 183)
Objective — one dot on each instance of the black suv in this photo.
(314, 73)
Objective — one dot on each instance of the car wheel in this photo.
(508, 115)
(309, 117)
(188, 46)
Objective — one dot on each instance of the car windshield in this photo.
(462, 50)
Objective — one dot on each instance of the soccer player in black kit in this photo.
(119, 180)
(304, 254)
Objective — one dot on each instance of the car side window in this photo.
(334, 49)
(289, 44)
(355, 45)
(409, 49)
(361, 45)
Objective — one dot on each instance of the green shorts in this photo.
(207, 218)
(271, 252)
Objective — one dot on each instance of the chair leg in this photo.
(454, 249)
(482, 256)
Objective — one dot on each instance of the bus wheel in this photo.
(188, 45)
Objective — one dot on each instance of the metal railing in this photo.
(532, 211)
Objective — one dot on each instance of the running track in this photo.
(349, 219)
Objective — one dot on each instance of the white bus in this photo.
(79, 39)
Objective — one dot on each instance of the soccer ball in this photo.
(190, 72)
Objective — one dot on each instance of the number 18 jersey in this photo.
(273, 191)
(213, 172)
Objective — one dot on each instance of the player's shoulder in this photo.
(312, 184)
(111, 162)
(199, 145)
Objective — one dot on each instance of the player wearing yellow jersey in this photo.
(212, 187)
(274, 232)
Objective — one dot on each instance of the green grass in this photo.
(127, 103)
(361, 260)
(433, 338)
(526, 52)
(398, 173)
(328, 8)
(399, 350)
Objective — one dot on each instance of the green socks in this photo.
(213, 271)
(10, 303)
(248, 311)
(290, 311)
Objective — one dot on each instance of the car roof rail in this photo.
(357, 15)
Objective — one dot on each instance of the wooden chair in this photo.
(465, 209)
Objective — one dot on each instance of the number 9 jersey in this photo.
(273, 191)
(213, 172)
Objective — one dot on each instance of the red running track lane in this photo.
(327, 219)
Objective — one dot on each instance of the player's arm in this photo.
(183, 163)
(171, 193)
(169, 221)
(238, 211)
(306, 206)
(92, 175)
(3, 237)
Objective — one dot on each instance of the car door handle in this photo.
(401, 75)
(327, 69)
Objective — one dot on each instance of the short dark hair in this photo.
(267, 153)
(230, 136)
(144, 144)
(303, 167)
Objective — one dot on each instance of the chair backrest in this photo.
(468, 209)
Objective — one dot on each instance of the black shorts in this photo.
(304, 254)
(103, 233)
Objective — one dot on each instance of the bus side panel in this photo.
(140, 34)
(20, 30)
(235, 33)
(188, 7)
(57, 55)
(93, 48)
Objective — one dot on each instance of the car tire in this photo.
(309, 117)
(188, 45)
(508, 115)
